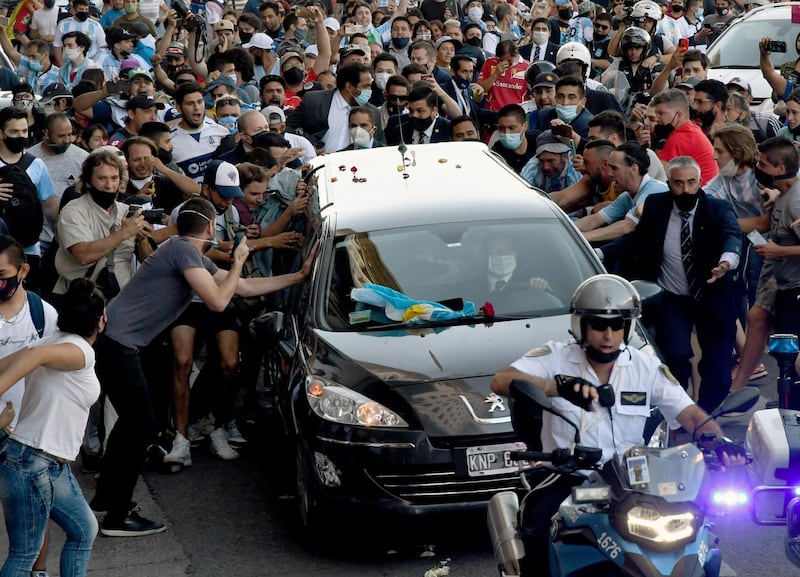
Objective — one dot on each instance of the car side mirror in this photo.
(650, 293)
(267, 326)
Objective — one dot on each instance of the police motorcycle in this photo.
(642, 514)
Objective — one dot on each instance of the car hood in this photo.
(423, 355)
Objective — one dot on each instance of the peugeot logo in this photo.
(495, 402)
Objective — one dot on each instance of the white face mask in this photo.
(540, 37)
(475, 14)
(729, 169)
(360, 137)
(381, 78)
(502, 265)
(72, 54)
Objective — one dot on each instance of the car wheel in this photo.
(308, 506)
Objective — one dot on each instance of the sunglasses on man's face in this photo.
(396, 98)
(600, 324)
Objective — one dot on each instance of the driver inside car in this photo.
(604, 310)
(504, 271)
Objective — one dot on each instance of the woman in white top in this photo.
(36, 482)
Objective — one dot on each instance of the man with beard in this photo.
(272, 89)
(679, 135)
(687, 242)
(708, 108)
(196, 138)
(596, 186)
(551, 168)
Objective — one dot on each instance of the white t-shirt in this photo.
(17, 333)
(45, 22)
(56, 404)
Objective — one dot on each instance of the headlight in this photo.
(648, 523)
(342, 405)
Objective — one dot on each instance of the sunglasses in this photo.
(396, 98)
(601, 28)
(600, 324)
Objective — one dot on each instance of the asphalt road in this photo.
(238, 519)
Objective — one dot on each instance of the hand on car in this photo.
(286, 240)
(309, 264)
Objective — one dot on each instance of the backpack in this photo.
(22, 213)
(36, 309)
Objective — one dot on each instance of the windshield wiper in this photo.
(476, 320)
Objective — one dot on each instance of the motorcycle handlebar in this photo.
(530, 456)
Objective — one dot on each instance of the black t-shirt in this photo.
(514, 160)
(433, 10)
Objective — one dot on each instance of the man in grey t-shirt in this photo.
(159, 291)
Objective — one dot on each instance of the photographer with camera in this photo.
(643, 15)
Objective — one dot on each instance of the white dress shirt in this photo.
(338, 135)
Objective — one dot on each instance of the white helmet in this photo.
(574, 51)
(646, 9)
(606, 296)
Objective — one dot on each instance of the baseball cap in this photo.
(228, 98)
(140, 72)
(586, 6)
(224, 177)
(127, 65)
(117, 35)
(688, 82)
(545, 80)
(312, 51)
(288, 55)
(55, 90)
(352, 49)
(220, 81)
(739, 83)
(176, 49)
(547, 142)
(332, 24)
(139, 29)
(443, 39)
(563, 2)
(223, 25)
(144, 102)
(274, 114)
(260, 40)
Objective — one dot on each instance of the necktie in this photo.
(422, 138)
(687, 256)
(536, 54)
(498, 286)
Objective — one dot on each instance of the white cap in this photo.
(312, 50)
(274, 113)
(332, 24)
(259, 40)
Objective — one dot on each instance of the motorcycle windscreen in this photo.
(674, 474)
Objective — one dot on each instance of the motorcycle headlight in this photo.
(647, 522)
(339, 404)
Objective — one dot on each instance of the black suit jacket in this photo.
(441, 130)
(549, 52)
(310, 119)
(715, 230)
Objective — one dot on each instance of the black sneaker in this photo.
(134, 525)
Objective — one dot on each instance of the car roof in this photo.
(770, 11)
(442, 182)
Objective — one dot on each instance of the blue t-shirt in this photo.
(625, 205)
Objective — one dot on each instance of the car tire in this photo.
(309, 513)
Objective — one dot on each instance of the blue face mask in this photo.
(567, 113)
(700, 12)
(363, 98)
(228, 122)
(511, 140)
(35, 66)
(400, 43)
(300, 34)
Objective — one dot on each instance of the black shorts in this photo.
(207, 322)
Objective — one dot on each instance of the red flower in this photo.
(488, 310)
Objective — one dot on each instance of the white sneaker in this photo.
(195, 436)
(235, 437)
(180, 456)
(220, 446)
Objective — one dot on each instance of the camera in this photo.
(642, 98)
(154, 216)
(188, 20)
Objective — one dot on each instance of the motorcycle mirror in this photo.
(526, 390)
(738, 401)
(792, 540)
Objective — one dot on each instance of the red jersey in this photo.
(509, 88)
(689, 140)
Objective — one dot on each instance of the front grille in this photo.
(473, 441)
(440, 486)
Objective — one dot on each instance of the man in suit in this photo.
(690, 244)
(323, 116)
(422, 124)
(540, 47)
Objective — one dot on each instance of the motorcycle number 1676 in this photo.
(606, 543)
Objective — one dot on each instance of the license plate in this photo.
(492, 459)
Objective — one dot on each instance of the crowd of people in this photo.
(143, 139)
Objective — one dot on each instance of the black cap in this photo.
(545, 80)
(116, 34)
(271, 78)
(56, 90)
(144, 102)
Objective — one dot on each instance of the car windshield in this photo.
(738, 47)
(524, 268)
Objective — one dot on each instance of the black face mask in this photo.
(421, 124)
(394, 109)
(685, 202)
(294, 76)
(460, 82)
(474, 41)
(261, 140)
(164, 156)
(8, 287)
(124, 54)
(565, 14)
(705, 119)
(661, 132)
(103, 199)
(768, 180)
(599, 357)
(245, 36)
(82, 16)
(16, 144)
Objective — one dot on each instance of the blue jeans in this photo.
(33, 488)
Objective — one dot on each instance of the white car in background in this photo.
(735, 52)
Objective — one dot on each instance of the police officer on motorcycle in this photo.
(616, 384)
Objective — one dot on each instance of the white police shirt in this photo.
(639, 381)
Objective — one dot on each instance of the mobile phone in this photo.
(684, 43)
(237, 242)
(453, 7)
(755, 238)
(304, 12)
(572, 147)
(117, 86)
(562, 130)
(776, 46)
(706, 25)
(4, 21)
(133, 210)
(351, 29)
